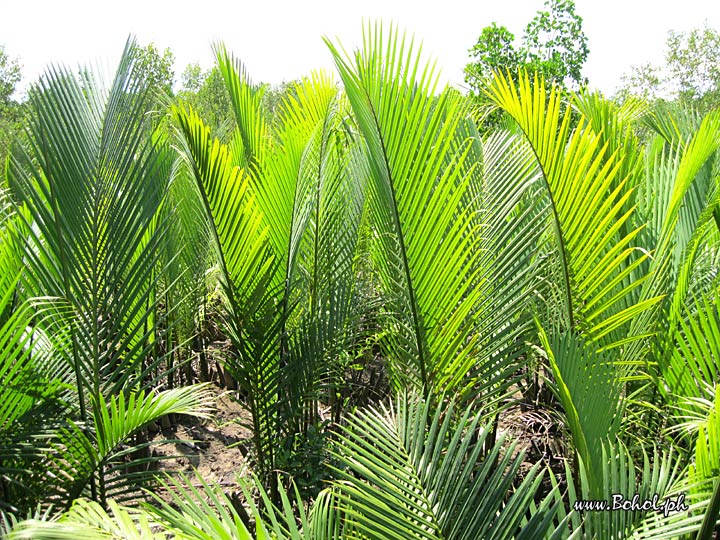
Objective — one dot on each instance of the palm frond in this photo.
(88, 519)
(417, 187)
(587, 386)
(204, 511)
(683, 197)
(512, 225)
(419, 470)
(694, 364)
(106, 456)
(248, 268)
(32, 387)
(586, 197)
(657, 478)
(93, 181)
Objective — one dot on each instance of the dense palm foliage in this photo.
(564, 263)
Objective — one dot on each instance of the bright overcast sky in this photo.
(282, 40)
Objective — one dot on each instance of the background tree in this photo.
(690, 76)
(9, 77)
(192, 78)
(494, 50)
(554, 44)
(10, 110)
(205, 91)
(274, 95)
(157, 68)
(693, 60)
(643, 81)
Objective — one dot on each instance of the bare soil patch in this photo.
(215, 448)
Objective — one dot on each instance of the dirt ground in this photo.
(215, 448)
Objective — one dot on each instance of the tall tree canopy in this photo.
(554, 44)
(9, 76)
(9, 109)
(691, 74)
(157, 68)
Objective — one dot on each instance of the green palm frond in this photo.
(419, 470)
(698, 488)
(237, 227)
(673, 123)
(712, 515)
(654, 477)
(89, 520)
(694, 364)
(248, 268)
(701, 421)
(327, 520)
(31, 402)
(285, 219)
(106, 455)
(417, 184)
(681, 197)
(587, 386)
(587, 198)
(201, 511)
(512, 225)
(92, 181)
(11, 251)
(707, 448)
(330, 202)
(614, 123)
(681, 185)
(252, 135)
(590, 190)
(91, 184)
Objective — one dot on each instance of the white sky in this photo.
(282, 39)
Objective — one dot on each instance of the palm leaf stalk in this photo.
(596, 262)
(275, 204)
(92, 180)
(427, 255)
(240, 242)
